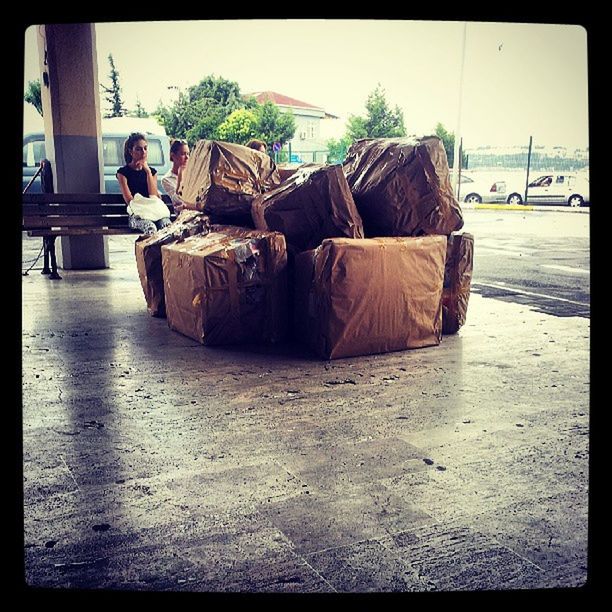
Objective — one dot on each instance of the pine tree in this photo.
(113, 92)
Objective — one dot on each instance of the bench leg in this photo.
(51, 246)
(46, 269)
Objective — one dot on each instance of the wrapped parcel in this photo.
(313, 204)
(222, 179)
(149, 259)
(227, 287)
(357, 297)
(402, 187)
(457, 281)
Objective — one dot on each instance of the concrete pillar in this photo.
(71, 113)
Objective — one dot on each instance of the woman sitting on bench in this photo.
(139, 187)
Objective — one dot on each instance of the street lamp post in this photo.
(457, 148)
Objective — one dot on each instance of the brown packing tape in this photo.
(149, 260)
(229, 315)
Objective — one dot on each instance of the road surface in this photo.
(540, 258)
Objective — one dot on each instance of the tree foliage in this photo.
(356, 128)
(448, 140)
(139, 111)
(274, 126)
(380, 121)
(337, 149)
(214, 109)
(240, 126)
(113, 93)
(33, 95)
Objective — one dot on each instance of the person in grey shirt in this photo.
(171, 181)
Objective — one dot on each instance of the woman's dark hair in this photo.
(256, 144)
(176, 145)
(129, 143)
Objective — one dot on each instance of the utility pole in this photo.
(456, 160)
(528, 164)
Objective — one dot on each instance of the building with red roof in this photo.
(307, 143)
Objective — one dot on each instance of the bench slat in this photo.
(78, 198)
(74, 221)
(81, 231)
(40, 210)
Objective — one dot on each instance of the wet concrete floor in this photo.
(152, 463)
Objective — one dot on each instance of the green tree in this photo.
(382, 121)
(201, 109)
(274, 126)
(448, 140)
(113, 93)
(204, 111)
(337, 149)
(240, 126)
(139, 110)
(33, 95)
(356, 128)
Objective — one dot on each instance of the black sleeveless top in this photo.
(136, 180)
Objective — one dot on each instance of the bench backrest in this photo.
(76, 210)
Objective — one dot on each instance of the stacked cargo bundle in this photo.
(356, 297)
(401, 286)
(457, 281)
(402, 186)
(227, 287)
(222, 179)
(312, 204)
(149, 260)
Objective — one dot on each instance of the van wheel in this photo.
(575, 201)
(472, 198)
(514, 198)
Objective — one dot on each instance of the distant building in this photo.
(307, 144)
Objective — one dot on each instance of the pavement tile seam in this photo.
(473, 545)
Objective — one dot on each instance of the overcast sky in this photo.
(518, 79)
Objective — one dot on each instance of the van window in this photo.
(112, 150)
(33, 152)
(156, 155)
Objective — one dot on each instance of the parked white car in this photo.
(567, 188)
(478, 187)
(561, 188)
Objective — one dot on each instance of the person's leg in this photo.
(142, 225)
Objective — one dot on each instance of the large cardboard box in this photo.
(402, 186)
(357, 297)
(457, 281)
(149, 261)
(222, 178)
(227, 287)
(313, 204)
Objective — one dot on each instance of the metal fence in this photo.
(527, 173)
(303, 157)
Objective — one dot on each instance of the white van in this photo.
(112, 147)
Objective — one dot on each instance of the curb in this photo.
(503, 207)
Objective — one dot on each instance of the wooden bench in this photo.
(74, 214)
